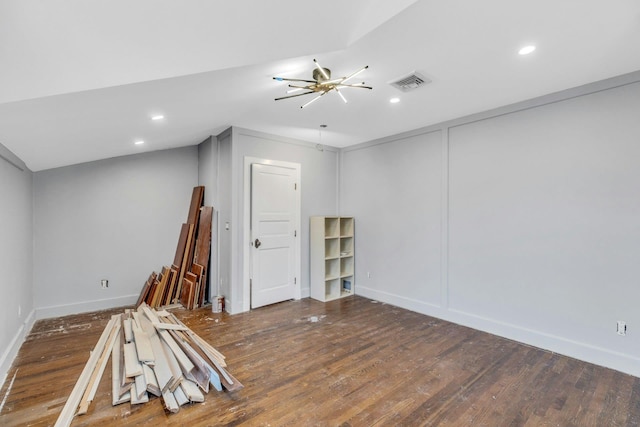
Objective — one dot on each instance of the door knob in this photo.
(257, 243)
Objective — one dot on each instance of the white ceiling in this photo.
(79, 79)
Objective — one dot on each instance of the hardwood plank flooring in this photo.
(351, 362)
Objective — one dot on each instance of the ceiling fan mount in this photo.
(321, 84)
(318, 74)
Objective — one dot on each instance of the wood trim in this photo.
(137, 398)
(140, 387)
(185, 363)
(132, 365)
(163, 372)
(200, 374)
(170, 402)
(96, 376)
(152, 381)
(180, 396)
(128, 329)
(173, 364)
(65, 417)
(191, 390)
(143, 346)
(117, 397)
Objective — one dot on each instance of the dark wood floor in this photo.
(352, 362)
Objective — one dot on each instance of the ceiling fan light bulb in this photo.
(314, 99)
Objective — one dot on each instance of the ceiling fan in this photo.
(321, 84)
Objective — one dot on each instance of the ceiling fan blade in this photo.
(293, 96)
(296, 88)
(284, 79)
(314, 99)
(324, 73)
(334, 81)
(357, 85)
(356, 73)
(341, 95)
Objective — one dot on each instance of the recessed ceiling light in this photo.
(527, 50)
(157, 117)
(394, 100)
(139, 142)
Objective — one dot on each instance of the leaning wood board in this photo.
(146, 289)
(183, 266)
(187, 293)
(203, 244)
(173, 278)
(198, 270)
(197, 196)
(203, 250)
(182, 244)
(159, 294)
(192, 218)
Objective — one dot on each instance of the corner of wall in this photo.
(6, 360)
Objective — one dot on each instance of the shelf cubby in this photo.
(332, 227)
(346, 246)
(332, 269)
(332, 248)
(332, 257)
(346, 266)
(346, 285)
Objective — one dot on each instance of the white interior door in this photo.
(273, 234)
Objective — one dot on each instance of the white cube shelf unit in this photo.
(332, 257)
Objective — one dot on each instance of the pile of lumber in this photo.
(152, 354)
(185, 281)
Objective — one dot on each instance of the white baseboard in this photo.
(85, 306)
(14, 346)
(579, 350)
(305, 292)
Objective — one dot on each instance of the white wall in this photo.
(115, 219)
(207, 167)
(319, 197)
(393, 191)
(16, 255)
(539, 235)
(225, 216)
(208, 176)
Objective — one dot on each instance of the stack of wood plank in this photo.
(185, 281)
(152, 354)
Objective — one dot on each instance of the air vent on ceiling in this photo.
(412, 81)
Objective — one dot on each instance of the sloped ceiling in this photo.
(80, 79)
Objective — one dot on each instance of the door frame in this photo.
(246, 227)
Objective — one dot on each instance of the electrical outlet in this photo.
(621, 328)
(104, 283)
